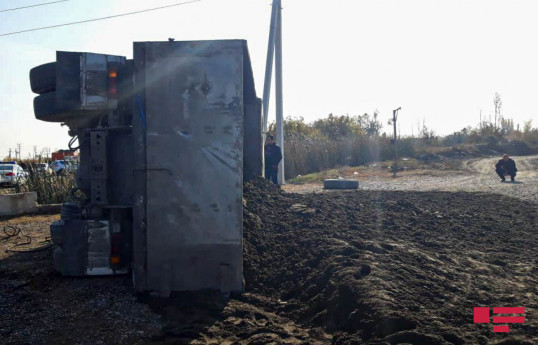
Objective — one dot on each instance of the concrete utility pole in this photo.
(498, 104)
(18, 152)
(269, 64)
(278, 96)
(394, 118)
(275, 45)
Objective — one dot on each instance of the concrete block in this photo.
(18, 203)
(340, 184)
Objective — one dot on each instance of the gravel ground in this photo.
(7, 190)
(476, 175)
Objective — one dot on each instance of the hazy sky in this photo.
(441, 61)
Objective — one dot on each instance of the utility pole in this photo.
(394, 118)
(278, 95)
(269, 64)
(18, 152)
(9, 153)
(275, 46)
(498, 104)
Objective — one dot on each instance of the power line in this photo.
(102, 18)
(20, 8)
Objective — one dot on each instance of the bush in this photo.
(50, 188)
(332, 142)
(345, 140)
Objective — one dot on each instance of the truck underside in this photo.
(166, 140)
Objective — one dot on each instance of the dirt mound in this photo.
(392, 267)
(511, 147)
(362, 267)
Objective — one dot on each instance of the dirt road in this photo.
(475, 175)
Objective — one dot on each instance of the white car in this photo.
(41, 167)
(11, 174)
(61, 167)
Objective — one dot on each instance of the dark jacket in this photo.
(273, 155)
(508, 166)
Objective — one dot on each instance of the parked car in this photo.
(59, 167)
(63, 166)
(41, 167)
(11, 174)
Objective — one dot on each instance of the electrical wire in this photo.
(20, 8)
(102, 18)
(12, 232)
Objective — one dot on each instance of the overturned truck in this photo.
(165, 141)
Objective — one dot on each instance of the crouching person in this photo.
(506, 167)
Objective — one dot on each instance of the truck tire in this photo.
(70, 210)
(45, 107)
(340, 184)
(57, 232)
(43, 78)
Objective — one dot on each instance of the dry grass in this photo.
(50, 188)
(408, 166)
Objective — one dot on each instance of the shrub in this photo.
(50, 188)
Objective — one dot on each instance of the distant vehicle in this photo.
(11, 174)
(41, 167)
(59, 167)
(64, 166)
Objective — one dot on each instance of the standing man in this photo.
(506, 167)
(273, 156)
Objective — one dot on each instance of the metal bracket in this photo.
(99, 167)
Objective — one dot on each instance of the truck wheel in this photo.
(43, 78)
(45, 107)
(340, 184)
(70, 210)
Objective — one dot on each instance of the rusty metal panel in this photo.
(194, 123)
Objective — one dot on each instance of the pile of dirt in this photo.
(393, 267)
(361, 267)
(511, 147)
(495, 147)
